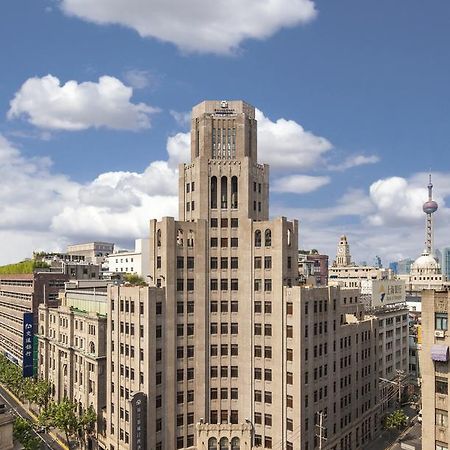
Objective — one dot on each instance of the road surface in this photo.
(18, 410)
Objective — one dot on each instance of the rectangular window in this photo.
(224, 306)
(257, 284)
(180, 262)
(190, 262)
(190, 284)
(234, 262)
(213, 223)
(213, 306)
(213, 263)
(441, 321)
(213, 242)
(258, 261)
(441, 385)
(224, 222)
(267, 262)
(224, 285)
(234, 242)
(234, 306)
(224, 242)
(441, 418)
(267, 285)
(234, 284)
(234, 222)
(213, 284)
(224, 263)
(180, 284)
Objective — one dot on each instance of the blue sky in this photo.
(367, 80)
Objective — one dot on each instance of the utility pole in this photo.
(321, 428)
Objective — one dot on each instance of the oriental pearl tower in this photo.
(429, 208)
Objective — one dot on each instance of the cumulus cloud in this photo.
(197, 25)
(355, 161)
(44, 210)
(399, 201)
(48, 104)
(179, 148)
(299, 184)
(285, 144)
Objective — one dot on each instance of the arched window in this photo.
(91, 347)
(180, 237)
(258, 238)
(223, 444)
(213, 192)
(190, 240)
(158, 238)
(268, 238)
(223, 192)
(212, 443)
(234, 192)
(289, 237)
(235, 444)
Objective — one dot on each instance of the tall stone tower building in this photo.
(225, 348)
(224, 265)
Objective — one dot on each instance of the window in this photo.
(234, 262)
(268, 238)
(213, 306)
(213, 263)
(258, 238)
(441, 446)
(267, 262)
(224, 242)
(213, 223)
(180, 262)
(257, 284)
(258, 260)
(190, 262)
(234, 284)
(267, 329)
(234, 242)
(234, 328)
(441, 418)
(234, 306)
(190, 284)
(213, 350)
(224, 285)
(441, 321)
(234, 222)
(224, 222)
(267, 285)
(214, 284)
(213, 242)
(441, 385)
(224, 263)
(180, 284)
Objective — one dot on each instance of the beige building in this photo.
(434, 357)
(6, 431)
(72, 347)
(384, 297)
(21, 294)
(223, 350)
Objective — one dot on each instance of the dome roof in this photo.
(425, 261)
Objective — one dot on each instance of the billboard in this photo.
(387, 292)
(28, 335)
(138, 429)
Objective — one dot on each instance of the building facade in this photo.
(72, 350)
(21, 294)
(216, 347)
(312, 268)
(434, 357)
(135, 262)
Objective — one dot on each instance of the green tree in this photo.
(397, 420)
(65, 417)
(37, 392)
(23, 432)
(134, 279)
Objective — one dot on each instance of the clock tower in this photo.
(343, 257)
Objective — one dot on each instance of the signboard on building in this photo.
(28, 335)
(138, 413)
(387, 292)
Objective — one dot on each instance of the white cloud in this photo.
(299, 184)
(179, 148)
(140, 79)
(47, 104)
(355, 161)
(183, 119)
(285, 144)
(197, 25)
(41, 209)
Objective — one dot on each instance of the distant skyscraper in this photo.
(394, 267)
(445, 262)
(404, 266)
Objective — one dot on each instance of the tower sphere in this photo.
(430, 207)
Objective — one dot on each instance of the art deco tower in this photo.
(223, 266)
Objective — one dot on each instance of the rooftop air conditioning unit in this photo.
(439, 333)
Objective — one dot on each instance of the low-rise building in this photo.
(312, 268)
(134, 262)
(72, 347)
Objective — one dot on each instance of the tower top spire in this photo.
(429, 208)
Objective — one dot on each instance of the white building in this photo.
(135, 262)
